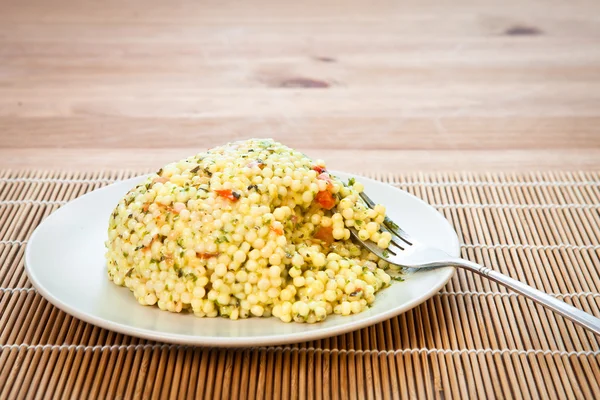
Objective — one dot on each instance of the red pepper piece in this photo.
(325, 199)
(324, 234)
(228, 194)
(319, 169)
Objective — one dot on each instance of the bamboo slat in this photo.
(474, 339)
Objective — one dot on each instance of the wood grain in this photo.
(411, 86)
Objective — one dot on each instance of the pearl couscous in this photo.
(252, 228)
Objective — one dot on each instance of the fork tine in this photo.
(390, 225)
(372, 247)
(393, 249)
(400, 245)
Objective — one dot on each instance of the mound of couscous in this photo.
(252, 228)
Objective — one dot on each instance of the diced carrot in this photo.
(206, 256)
(278, 231)
(319, 169)
(228, 194)
(325, 199)
(324, 234)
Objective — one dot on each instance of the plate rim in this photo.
(244, 341)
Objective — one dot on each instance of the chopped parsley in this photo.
(391, 223)
(221, 239)
(178, 270)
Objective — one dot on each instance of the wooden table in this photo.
(462, 86)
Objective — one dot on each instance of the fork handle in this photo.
(574, 314)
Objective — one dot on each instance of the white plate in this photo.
(65, 262)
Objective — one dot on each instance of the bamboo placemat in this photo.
(474, 339)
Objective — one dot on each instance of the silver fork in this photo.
(405, 251)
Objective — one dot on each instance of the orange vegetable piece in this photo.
(319, 169)
(324, 234)
(325, 200)
(206, 256)
(228, 194)
(278, 231)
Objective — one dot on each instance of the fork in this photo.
(405, 251)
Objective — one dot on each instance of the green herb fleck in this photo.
(178, 270)
(385, 253)
(391, 223)
(351, 182)
(192, 277)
